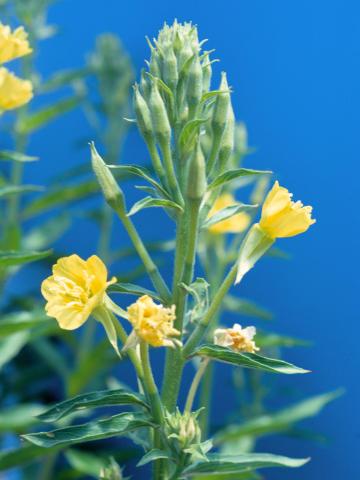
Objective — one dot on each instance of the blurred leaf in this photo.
(240, 463)
(8, 155)
(247, 360)
(149, 202)
(45, 234)
(11, 346)
(268, 340)
(35, 120)
(280, 421)
(230, 175)
(246, 307)
(18, 457)
(10, 190)
(131, 289)
(152, 247)
(111, 427)
(85, 462)
(226, 213)
(276, 252)
(104, 398)
(19, 417)
(16, 322)
(12, 258)
(62, 79)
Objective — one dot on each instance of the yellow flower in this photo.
(75, 289)
(14, 92)
(237, 338)
(281, 217)
(235, 224)
(13, 44)
(153, 323)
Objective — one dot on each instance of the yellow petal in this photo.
(13, 44)
(14, 92)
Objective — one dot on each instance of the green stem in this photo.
(170, 172)
(158, 167)
(149, 265)
(155, 403)
(210, 315)
(205, 400)
(195, 384)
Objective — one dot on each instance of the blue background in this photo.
(295, 71)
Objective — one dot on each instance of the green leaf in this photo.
(85, 462)
(247, 360)
(214, 93)
(18, 457)
(111, 427)
(143, 173)
(45, 234)
(8, 155)
(16, 322)
(190, 131)
(246, 307)
(34, 121)
(63, 78)
(131, 289)
(11, 258)
(154, 454)
(19, 417)
(226, 213)
(85, 401)
(10, 190)
(230, 175)
(280, 421)
(240, 463)
(270, 340)
(199, 290)
(149, 202)
(11, 346)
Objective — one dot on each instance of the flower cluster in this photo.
(14, 92)
(237, 338)
(153, 323)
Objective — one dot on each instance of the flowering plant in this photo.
(195, 147)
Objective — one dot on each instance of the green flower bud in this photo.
(227, 140)
(184, 428)
(145, 84)
(207, 73)
(196, 183)
(160, 120)
(109, 186)
(241, 139)
(169, 68)
(143, 116)
(221, 108)
(112, 471)
(194, 85)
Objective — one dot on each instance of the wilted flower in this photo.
(14, 92)
(75, 289)
(237, 338)
(235, 224)
(281, 217)
(153, 323)
(13, 44)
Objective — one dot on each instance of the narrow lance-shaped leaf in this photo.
(226, 213)
(230, 175)
(10, 190)
(131, 289)
(16, 322)
(247, 360)
(85, 401)
(11, 258)
(8, 155)
(111, 427)
(149, 202)
(231, 464)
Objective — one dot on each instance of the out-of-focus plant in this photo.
(195, 147)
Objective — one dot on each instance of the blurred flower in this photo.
(14, 92)
(281, 217)
(13, 44)
(237, 338)
(235, 224)
(153, 323)
(76, 288)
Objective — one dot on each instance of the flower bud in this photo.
(221, 108)
(145, 85)
(227, 140)
(169, 68)
(196, 183)
(159, 116)
(207, 73)
(109, 186)
(143, 116)
(194, 85)
(184, 428)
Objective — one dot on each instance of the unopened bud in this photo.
(145, 84)
(196, 183)
(159, 116)
(227, 140)
(170, 69)
(143, 116)
(109, 186)
(207, 73)
(221, 108)
(194, 85)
